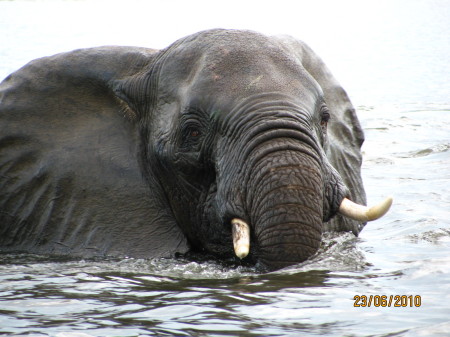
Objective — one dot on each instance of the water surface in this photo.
(392, 58)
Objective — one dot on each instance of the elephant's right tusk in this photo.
(363, 213)
(241, 237)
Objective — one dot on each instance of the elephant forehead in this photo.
(232, 66)
(224, 89)
(240, 75)
(248, 68)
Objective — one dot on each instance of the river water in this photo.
(393, 59)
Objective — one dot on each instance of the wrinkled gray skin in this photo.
(123, 151)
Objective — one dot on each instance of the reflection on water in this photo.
(406, 155)
(167, 296)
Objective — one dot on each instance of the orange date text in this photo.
(387, 301)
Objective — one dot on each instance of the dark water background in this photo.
(393, 59)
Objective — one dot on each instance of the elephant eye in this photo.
(325, 117)
(192, 126)
(191, 138)
(194, 133)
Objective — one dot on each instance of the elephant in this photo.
(228, 143)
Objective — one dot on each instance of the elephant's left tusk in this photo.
(363, 213)
(241, 237)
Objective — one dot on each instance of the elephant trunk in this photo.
(289, 192)
(285, 203)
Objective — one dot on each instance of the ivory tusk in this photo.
(241, 237)
(363, 213)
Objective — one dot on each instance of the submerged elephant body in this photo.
(121, 151)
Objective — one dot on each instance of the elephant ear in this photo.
(344, 130)
(136, 92)
(71, 177)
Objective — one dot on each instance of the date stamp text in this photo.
(387, 301)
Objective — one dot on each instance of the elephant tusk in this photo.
(363, 213)
(241, 237)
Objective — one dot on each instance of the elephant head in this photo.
(233, 129)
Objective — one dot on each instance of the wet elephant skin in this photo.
(126, 151)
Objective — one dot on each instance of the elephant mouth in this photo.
(241, 229)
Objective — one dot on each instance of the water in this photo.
(392, 58)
